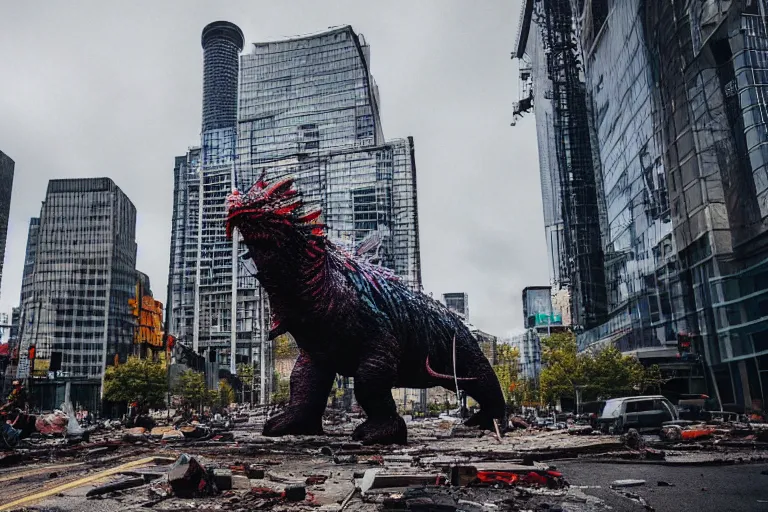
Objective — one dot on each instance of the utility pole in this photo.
(262, 351)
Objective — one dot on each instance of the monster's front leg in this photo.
(310, 385)
(373, 390)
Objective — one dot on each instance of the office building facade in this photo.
(80, 272)
(551, 72)
(309, 108)
(675, 95)
(528, 345)
(458, 303)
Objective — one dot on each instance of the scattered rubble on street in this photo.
(445, 466)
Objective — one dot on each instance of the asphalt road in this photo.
(694, 488)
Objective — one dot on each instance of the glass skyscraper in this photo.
(309, 108)
(79, 272)
(675, 92)
(306, 107)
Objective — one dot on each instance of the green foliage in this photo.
(285, 347)
(137, 380)
(525, 392)
(336, 391)
(226, 394)
(606, 373)
(283, 390)
(507, 358)
(192, 389)
(434, 409)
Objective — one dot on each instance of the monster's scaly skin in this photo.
(352, 318)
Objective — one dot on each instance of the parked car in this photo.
(639, 412)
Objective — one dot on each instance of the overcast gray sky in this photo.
(94, 88)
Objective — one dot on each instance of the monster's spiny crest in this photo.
(279, 202)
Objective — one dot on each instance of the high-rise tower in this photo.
(222, 42)
(79, 273)
(202, 289)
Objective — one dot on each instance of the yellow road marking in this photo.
(37, 471)
(77, 483)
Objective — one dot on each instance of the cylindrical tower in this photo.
(222, 42)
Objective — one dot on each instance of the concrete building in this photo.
(675, 110)
(6, 186)
(528, 344)
(306, 107)
(458, 303)
(79, 274)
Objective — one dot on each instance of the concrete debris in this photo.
(122, 485)
(633, 440)
(295, 493)
(627, 483)
(54, 423)
(159, 432)
(173, 435)
(580, 430)
(446, 466)
(671, 433)
(223, 479)
(189, 479)
(518, 422)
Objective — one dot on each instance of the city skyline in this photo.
(444, 72)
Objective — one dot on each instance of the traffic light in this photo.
(31, 352)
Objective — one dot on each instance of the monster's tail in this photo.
(432, 373)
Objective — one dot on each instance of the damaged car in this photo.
(643, 413)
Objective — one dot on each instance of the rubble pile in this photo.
(225, 464)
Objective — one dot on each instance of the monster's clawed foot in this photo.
(389, 430)
(482, 420)
(293, 421)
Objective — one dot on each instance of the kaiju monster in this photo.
(354, 319)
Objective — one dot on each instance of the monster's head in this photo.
(269, 217)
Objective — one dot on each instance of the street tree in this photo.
(525, 392)
(142, 381)
(507, 359)
(602, 374)
(226, 394)
(282, 389)
(562, 368)
(192, 389)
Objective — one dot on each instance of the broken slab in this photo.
(377, 479)
(627, 483)
(189, 479)
(223, 479)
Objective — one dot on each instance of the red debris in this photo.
(542, 479)
(697, 433)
